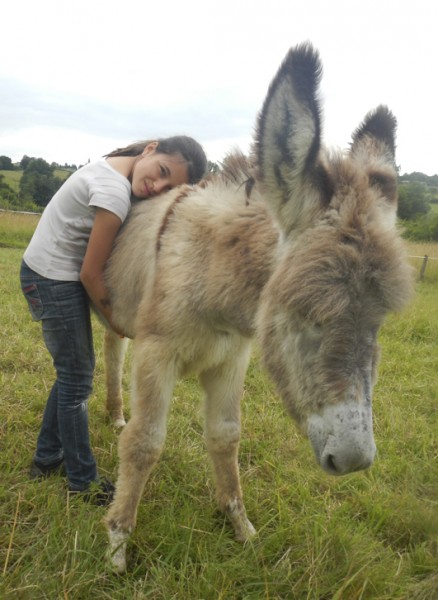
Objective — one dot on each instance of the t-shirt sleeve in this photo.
(112, 194)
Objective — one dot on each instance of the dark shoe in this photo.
(40, 471)
(99, 493)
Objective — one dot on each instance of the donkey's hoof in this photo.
(243, 527)
(245, 531)
(117, 562)
(117, 550)
(119, 422)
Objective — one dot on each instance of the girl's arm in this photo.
(105, 228)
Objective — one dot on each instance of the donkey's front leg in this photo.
(224, 387)
(139, 449)
(140, 445)
(114, 350)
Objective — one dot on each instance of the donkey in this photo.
(297, 245)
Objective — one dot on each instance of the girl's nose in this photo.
(161, 185)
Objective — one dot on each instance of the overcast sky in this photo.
(79, 78)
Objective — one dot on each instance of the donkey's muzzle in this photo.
(342, 438)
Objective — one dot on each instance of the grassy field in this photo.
(417, 251)
(12, 178)
(16, 229)
(371, 535)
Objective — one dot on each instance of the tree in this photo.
(39, 165)
(24, 162)
(6, 163)
(38, 184)
(418, 176)
(212, 167)
(413, 200)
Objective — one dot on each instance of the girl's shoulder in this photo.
(100, 175)
(99, 167)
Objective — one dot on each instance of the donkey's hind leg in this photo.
(114, 350)
(224, 387)
(140, 445)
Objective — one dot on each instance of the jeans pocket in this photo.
(32, 296)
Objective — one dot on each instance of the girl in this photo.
(63, 268)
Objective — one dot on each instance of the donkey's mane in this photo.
(236, 169)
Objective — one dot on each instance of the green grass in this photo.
(371, 535)
(12, 178)
(417, 251)
(16, 229)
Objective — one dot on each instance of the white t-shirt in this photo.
(58, 246)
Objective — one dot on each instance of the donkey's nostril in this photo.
(330, 465)
(341, 464)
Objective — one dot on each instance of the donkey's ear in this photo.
(288, 139)
(375, 137)
(374, 146)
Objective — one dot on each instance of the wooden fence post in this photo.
(423, 267)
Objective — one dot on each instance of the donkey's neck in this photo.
(240, 263)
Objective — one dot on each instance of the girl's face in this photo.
(154, 173)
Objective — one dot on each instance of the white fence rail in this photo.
(425, 258)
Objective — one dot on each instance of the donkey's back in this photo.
(190, 266)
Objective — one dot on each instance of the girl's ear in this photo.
(150, 148)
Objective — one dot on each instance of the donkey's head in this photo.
(340, 266)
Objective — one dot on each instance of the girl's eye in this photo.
(162, 171)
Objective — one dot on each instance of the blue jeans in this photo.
(63, 309)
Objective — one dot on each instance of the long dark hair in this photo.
(191, 151)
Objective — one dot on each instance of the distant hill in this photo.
(12, 178)
(14, 198)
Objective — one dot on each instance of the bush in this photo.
(424, 228)
(413, 200)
